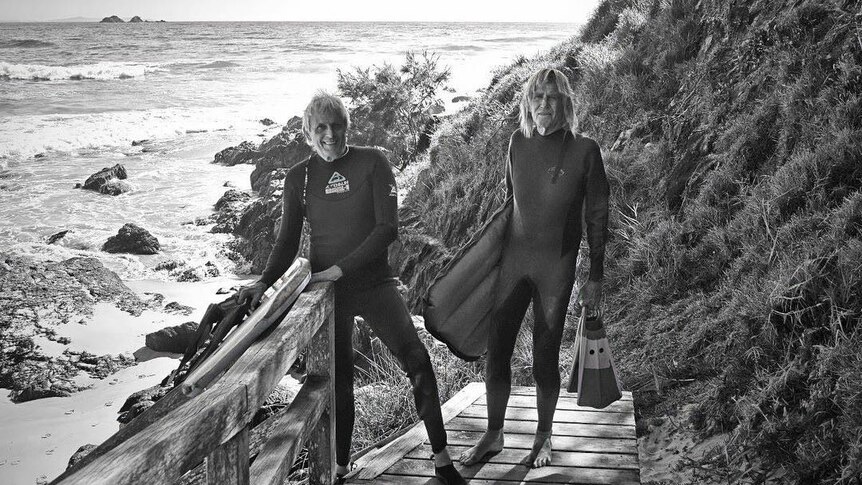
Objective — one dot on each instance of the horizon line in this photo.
(89, 20)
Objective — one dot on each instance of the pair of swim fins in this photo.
(593, 375)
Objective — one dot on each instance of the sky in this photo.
(574, 11)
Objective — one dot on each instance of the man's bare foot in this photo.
(540, 455)
(491, 442)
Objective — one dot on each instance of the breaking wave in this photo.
(101, 71)
(218, 65)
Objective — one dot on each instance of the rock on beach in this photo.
(132, 239)
(174, 339)
(108, 180)
(229, 209)
(245, 152)
(53, 238)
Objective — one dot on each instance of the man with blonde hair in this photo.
(348, 195)
(555, 176)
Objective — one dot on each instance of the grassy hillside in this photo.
(732, 134)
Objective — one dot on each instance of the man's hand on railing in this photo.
(252, 293)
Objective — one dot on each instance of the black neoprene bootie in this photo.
(449, 475)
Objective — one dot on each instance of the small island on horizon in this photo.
(113, 19)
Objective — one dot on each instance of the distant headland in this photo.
(113, 19)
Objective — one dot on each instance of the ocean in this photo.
(73, 98)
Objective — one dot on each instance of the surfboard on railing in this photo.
(275, 303)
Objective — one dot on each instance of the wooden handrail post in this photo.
(228, 464)
(320, 365)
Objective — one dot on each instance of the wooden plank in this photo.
(416, 480)
(570, 443)
(561, 416)
(180, 440)
(376, 462)
(514, 456)
(531, 391)
(502, 473)
(560, 429)
(288, 431)
(321, 446)
(228, 464)
(564, 403)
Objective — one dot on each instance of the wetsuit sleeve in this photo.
(385, 228)
(596, 211)
(287, 243)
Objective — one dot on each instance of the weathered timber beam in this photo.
(288, 432)
(162, 451)
(320, 364)
(228, 464)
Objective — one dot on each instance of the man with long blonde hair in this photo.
(556, 176)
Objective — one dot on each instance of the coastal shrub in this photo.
(394, 107)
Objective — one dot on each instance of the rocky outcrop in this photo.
(245, 152)
(140, 402)
(258, 220)
(229, 210)
(174, 339)
(132, 239)
(169, 265)
(267, 122)
(135, 20)
(38, 297)
(113, 19)
(197, 273)
(115, 187)
(79, 455)
(108, 181)
(53, 238)
(178, 308)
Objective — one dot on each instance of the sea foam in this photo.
(26, 136)
(101, 71)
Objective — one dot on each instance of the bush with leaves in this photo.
(394, 108)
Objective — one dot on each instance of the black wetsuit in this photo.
(554, 179)
(351, 207)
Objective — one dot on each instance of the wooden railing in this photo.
(207, 438)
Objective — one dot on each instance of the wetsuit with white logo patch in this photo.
(554, 180)
(352, 209)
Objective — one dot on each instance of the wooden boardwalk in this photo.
(590, 446)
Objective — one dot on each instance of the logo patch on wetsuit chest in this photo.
(338, 184)
(553, 172)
